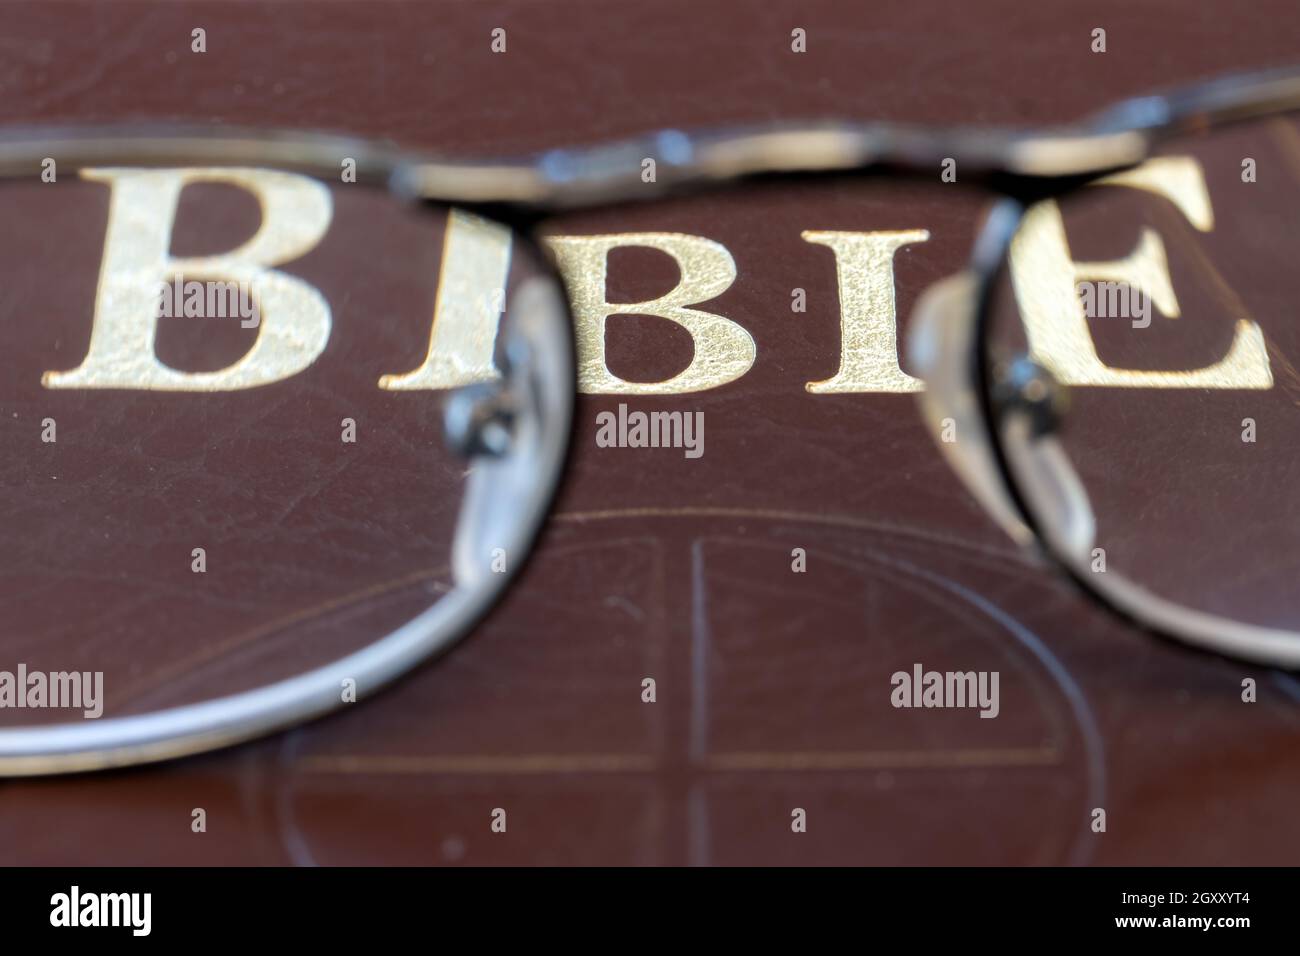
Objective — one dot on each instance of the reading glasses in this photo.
(1112, 374)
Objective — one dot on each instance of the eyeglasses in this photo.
(1113, 357)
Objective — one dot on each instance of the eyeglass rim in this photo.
(1181, 624)
(538, 377)
(1121, 136)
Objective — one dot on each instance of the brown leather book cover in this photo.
(771, 686)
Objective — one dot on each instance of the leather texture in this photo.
(772, 687)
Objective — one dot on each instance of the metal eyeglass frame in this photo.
(510, 487)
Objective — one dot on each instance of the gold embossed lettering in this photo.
(467, 313)
(724, 350)
(1044, 276)
(295, 318)
(864, 265)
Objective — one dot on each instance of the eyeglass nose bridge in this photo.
(1028, 402)
(940, 350)
(516, 432)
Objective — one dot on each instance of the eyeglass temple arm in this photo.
(660, 163)
(611, 172)
(579, 176)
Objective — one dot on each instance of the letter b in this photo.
(724, 350)
(296, 211)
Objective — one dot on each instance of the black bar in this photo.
(212, 906)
